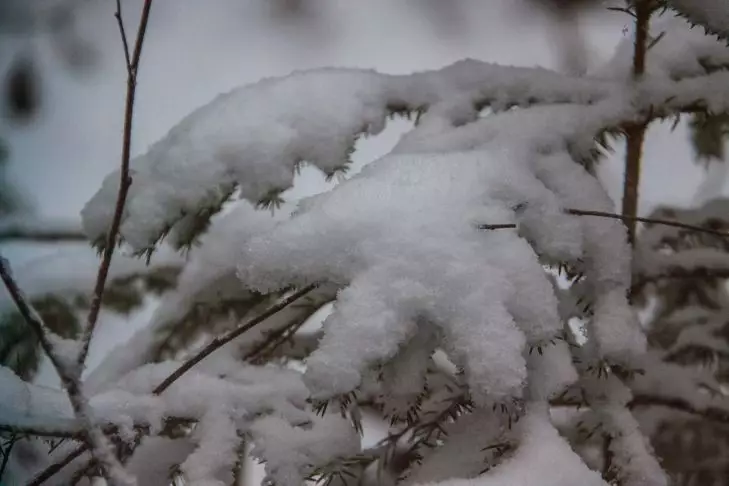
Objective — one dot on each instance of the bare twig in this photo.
(680, 273)
(125, 178)
(54, 468)
(69, 374)
(663, 222)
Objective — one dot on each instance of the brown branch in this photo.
(6, 454)
(41, 432)
(124, 182)
(635, 132)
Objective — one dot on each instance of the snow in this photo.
(73, 271)
(404, 251)
(542, 458)
(291, 452)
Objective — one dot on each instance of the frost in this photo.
(291, 453)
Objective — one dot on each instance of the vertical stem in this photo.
(132, 62)
(635, 132)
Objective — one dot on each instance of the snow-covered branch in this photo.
(61, 353)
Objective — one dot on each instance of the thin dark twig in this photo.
(122, 31)
(602, 214)
(218, 342)
(141, 32)
(715, 414)
(124, 183)
(30, 316)
(680, 273)
(54, 468)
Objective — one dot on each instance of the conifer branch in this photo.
(125, 178)
(69, 374)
